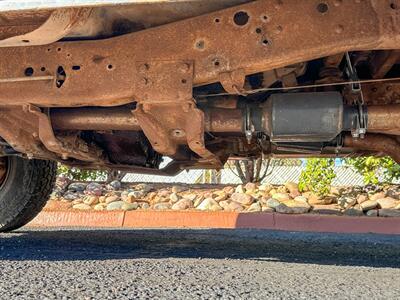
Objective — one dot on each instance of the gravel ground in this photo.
(197, 264)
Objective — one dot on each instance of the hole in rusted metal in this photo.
(42, 69)
(265, 17)
(110, 67)
(183, 81)
(200, 44)
(258, 30)
(322, 8)
(265, 42)
(60, 76)
(216, 63)
(217, 20)
(25, 41)
(58, 49)
(29, 71)
(393, 5)
(241, 18)
(76, 68)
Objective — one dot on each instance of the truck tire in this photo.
(24, 189)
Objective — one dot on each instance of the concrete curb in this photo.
(228, 220)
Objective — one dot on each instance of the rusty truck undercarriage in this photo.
(120, 87)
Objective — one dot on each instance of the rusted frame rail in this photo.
(158, 67)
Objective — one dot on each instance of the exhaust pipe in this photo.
(296, 117)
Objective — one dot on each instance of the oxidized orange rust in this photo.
(384, 119)
(379, 143)
(109, 74)
(119, 118)
(158, 71)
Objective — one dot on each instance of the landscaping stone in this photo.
(273, 203)
(393, 193)
(243, 199)
(190, 197)
(129, 206)
(182, 204)
(116, 205)
(292, 208)
(82, 206)
(100, 206)
(220, 196)
(352, 201)
(265, 188)
(389, 212)
(70, 196)
(361, 198)
(301, 199)
(114, 185)
(372, 213)
(280, 196)
(162, 206)
(239, 189)
(267, 209)
(377, 196)
(91, 200)
(331, 209)
(386, 203)
(174, 197)
(347, 202)
(228, 205)
(209, 204)
(293, 189)
(94, 188)
(144, 205)
(77, 187)
(145, 187)
(354, 211)
(250, 186)
(314, 199)
(178, 189)
(111, 199)
(368, 205)
(255, 207)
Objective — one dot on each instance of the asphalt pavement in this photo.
(197, 264)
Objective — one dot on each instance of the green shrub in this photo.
(371, 167)
(80, 175)
(317, 176)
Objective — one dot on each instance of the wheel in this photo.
(25, 186)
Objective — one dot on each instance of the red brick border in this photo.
(229, 220)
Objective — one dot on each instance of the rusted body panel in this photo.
(134, 78)
(108, 72)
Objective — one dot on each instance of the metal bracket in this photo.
(166, 110)
(233, 82)
(50, 141)
(360, 120)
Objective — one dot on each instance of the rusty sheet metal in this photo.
(381, 93)
(57, 26)
(224, 41)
